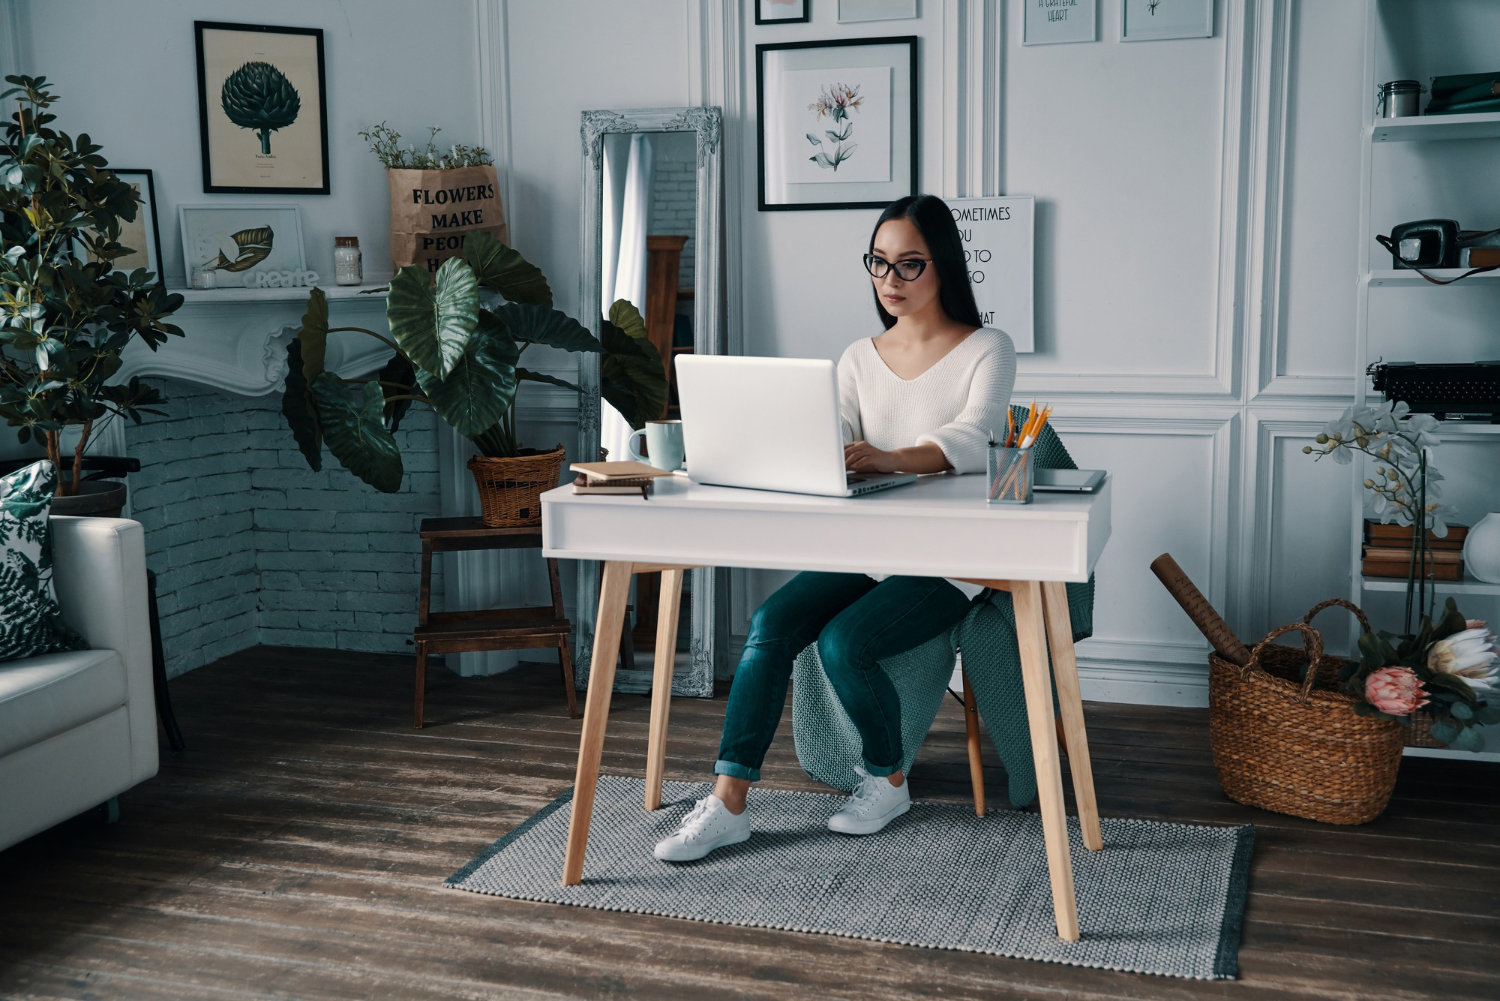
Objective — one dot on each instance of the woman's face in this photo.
(899, 240)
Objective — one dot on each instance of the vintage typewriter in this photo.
(1468, 391)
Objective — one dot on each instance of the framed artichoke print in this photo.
(837, 123)
(262, 111)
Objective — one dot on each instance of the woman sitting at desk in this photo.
(920, 398)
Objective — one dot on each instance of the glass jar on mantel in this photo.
(347, 266)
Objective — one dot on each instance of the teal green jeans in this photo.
(857, 622)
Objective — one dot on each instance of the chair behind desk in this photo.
(829, 746)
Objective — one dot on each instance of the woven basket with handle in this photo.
(1288, 741)
(510, 488)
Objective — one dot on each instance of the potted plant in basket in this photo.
(463, 360)
(65, 314)
(1441, 673)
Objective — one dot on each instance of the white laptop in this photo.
(768, 424)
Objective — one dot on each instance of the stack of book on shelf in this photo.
(1387, 552)
(615, 477)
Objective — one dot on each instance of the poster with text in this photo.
(999, 239)
(1050, 22)
(261, 109)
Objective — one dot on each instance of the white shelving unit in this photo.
(1389, 55)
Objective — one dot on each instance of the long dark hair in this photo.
(934, 220)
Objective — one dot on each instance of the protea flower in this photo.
(259, 96)
(1469, 655)
(1395, 691)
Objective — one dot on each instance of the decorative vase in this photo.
(95, 499)
(1482, 549)
(510, 488)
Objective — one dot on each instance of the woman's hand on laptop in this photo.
(862, 457)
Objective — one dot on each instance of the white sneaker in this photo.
(708, 825)
(874, 804)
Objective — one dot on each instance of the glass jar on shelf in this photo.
(347, 266)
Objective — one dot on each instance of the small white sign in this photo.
(1049, 22)
(998, 237)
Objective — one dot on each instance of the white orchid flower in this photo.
(1423, 427)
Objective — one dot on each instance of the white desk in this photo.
(937, 527)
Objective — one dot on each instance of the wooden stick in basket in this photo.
(1203, 614)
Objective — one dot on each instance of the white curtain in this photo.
(626, 214)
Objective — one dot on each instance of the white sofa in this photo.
(79, 728)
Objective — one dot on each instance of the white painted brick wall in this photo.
(674, 202)
(251, 546)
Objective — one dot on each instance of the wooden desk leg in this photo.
(1070, 702)
(613, 594)
(669, 599)
(1032, 637)
(971, 728)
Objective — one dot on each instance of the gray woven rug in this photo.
(1160, 898)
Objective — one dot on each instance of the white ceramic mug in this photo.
(663, 442)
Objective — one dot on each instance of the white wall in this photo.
(1197, 240)
(127, 75)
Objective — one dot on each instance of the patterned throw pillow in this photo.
(30, 622)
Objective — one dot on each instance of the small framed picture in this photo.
(837, 123)
(236, 242)
(1052, 22)
(262, 110)
(781, 11)
(855, 11)
(1156, 20)
(142, 236)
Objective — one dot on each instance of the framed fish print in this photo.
(262, 109)
(837, 123)
(239, 242)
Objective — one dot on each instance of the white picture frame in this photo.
(858, 11)
(209, 231)
(1159, 20)
(1056, 22)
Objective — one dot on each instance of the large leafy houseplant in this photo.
(459, 357)
(1442, 665)
(65, 314)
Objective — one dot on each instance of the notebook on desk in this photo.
(768, 424)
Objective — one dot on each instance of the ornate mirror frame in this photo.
(708, 587)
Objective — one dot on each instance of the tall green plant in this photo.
(458, 357)
(65, 316)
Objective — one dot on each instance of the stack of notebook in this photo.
(615, 477)
(1387, 552)
(1465, 94)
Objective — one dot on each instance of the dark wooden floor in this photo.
(298, 847)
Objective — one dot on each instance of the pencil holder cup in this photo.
(1009, 475)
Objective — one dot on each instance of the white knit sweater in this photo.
(956, 404)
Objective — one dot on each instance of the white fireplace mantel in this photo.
(235, 338)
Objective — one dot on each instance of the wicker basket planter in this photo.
(1294, 745)
(510, 489)
(1419, 733)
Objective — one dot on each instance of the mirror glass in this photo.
(647, 220)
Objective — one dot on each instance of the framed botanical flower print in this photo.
(837, 123)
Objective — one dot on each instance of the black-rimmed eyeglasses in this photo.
(908, 270)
